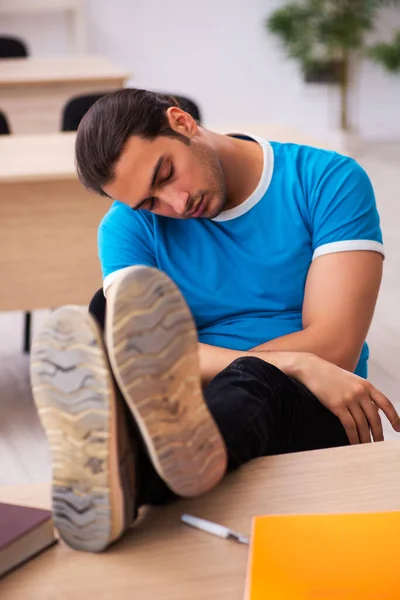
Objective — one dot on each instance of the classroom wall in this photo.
(218, 52)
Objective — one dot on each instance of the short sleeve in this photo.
(343, 210)
(125, 238)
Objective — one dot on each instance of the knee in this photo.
(251, 363)
(244, 362)
(257, 368)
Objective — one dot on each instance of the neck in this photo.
(242, 163)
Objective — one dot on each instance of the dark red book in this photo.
(24, 532)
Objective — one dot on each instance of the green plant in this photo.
(329, 32)
(387, 54)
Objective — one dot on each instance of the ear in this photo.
(181, 122)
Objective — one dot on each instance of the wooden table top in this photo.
(55, 70)
(163, 559)
(37, 157)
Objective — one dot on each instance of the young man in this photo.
(277, 251)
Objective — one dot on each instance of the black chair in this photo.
(75, 110)
(11, 47)
(4, 127)
(77, 107)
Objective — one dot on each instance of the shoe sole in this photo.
(153, 349)
(74, 394)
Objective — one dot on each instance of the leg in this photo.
(260, 411)
(106, 465)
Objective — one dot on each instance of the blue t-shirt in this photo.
(243, 273)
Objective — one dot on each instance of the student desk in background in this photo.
(48, 225)
(164, 559)
(34, 91)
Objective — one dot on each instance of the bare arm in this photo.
(355, 401)
(339, 302)
(214, 359)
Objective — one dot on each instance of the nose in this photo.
(178, 201)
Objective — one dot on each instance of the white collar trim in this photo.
(261, 188)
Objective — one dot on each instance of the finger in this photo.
(362, 424)
(384, 404)
(372, 414)
(350, 427)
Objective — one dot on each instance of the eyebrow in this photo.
(152, 182)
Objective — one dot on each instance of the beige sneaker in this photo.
(93, 460)
(153, 350)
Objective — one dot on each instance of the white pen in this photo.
(214, 529)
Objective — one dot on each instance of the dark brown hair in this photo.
(106, 127)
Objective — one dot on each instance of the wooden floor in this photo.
(24, 455)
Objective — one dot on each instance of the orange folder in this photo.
(325, 557)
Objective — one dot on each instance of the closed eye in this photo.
(169, 176)
(149, 203)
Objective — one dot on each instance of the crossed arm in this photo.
(339, 302)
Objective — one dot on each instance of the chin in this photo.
(218, 207)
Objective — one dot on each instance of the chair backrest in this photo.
(11, 47)
(4, 127)
(75, 110)
(77, 107)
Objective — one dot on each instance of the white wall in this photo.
(44, 33)
(218, 52)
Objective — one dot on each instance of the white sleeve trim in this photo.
(112, 278)
(347, 246)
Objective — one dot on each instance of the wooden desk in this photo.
(34, 91)
(48, 224)
(165, 560)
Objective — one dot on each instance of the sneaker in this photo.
(93, 457)
(153, 350)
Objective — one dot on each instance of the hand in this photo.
(352, 399)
